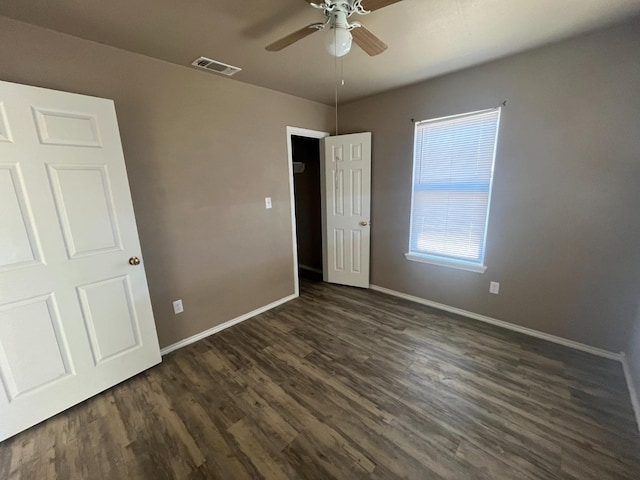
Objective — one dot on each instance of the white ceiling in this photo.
(426, 38)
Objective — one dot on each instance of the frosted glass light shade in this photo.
(339, 41)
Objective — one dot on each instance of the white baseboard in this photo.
(635, 400)
(500, 323)
(222, 326)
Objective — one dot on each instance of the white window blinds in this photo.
(453, 171)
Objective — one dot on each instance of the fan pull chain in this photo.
(342, 83)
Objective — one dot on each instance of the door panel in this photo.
(338, 193)
(356, 251)
(5, 131)
(110, 317)
(356, 192)
(67, 128)
(36, 355)
(18, 244)
(346, 213)
(75, 317)
(339, 249)
(85, 208)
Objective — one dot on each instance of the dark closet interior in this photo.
(306, 179)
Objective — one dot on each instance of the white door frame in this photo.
(300, 132)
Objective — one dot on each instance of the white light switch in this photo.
(267, 202)
(177, 307)
(494, 287)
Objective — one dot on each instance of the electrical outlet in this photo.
(177, 307)
(494, 287)
(267, 202)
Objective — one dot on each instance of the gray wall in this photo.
(202, 152)
(564, 233)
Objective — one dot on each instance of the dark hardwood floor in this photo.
(348, 384)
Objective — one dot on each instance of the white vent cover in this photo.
(217, 67)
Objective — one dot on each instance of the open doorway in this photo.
(304, 157)
(306, 187)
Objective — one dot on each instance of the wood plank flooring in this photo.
(348, 384)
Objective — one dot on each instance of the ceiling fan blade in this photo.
(368, 41)
(294, 37)
(372, 5)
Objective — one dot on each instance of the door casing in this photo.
(300, 132)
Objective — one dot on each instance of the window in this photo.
(452, 176)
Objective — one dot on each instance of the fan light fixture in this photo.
(338, 41)
(342, 31)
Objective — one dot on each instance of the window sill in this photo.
(446, 262)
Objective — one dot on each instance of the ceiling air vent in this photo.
(217, 67)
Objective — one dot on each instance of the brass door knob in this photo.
(134, 261)
(364, 223)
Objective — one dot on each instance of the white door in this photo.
(75, 316)
(346, 209)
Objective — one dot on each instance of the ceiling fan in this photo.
(338, 13)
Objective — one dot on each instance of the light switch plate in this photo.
(494, 287)
(177, 307)
(267, 202)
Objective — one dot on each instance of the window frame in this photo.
(444, 260)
